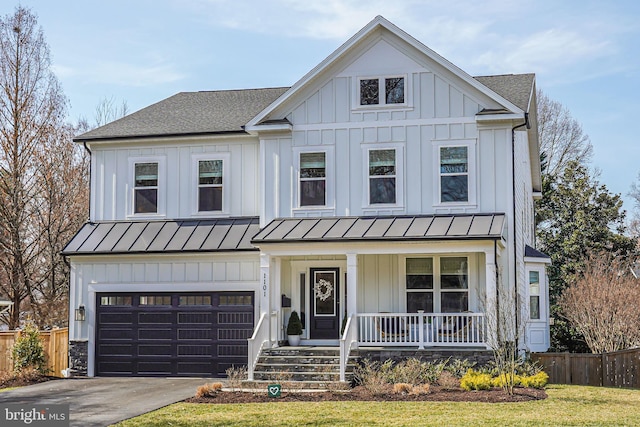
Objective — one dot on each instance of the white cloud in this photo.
(120, 73)
(543, 51)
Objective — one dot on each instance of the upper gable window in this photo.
(382, 91)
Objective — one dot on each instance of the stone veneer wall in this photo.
(78, 357)
(481, 357)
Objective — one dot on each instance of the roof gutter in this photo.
(156, 136)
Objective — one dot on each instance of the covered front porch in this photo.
(378, 289)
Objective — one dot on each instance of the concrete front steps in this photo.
(301, 368)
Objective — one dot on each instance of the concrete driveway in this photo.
(105, 401)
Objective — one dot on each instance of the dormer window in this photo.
(382, 91)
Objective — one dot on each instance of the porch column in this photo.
(491, 315)
(352, 284)
(276, 304)
(265, 289)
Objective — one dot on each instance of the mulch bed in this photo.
(9, 381)
(436, 394)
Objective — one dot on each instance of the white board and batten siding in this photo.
(112, 180)
(438, 111)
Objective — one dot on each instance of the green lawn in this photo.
(566, 406)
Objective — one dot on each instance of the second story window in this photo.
(382, 176)
(382, 91)
(454, 174)
(313, 179)
(210, 185)
(145, 192)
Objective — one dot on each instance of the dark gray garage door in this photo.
(172, 334)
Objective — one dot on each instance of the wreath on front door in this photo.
(323, 289)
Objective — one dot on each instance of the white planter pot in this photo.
(294, 340)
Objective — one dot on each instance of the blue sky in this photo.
(586, 54)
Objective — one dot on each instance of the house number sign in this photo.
(264, 284)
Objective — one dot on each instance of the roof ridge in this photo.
(237, 90)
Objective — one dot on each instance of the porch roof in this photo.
(384, 228)
(140, 237)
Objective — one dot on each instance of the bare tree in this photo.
(634, 221)
(62, 208)
(603, 304)
(33, 136)
(503, 333)
(561, 136)
(107, 111)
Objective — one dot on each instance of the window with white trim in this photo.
(534, 295)
(389, 90)
(454, 174)
(145, 189)
(210, 185)
(419, 284)
(456, 181)
(313, 179)
(147, 182)
(437, 284)
(382, 176)
(454, 284)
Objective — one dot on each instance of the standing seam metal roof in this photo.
(126, 237)
(399, 228)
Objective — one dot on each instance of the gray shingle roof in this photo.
(189, 113)
(127, 237)
(388, 228)
(534, 253)
(193, 113)
(513, 87)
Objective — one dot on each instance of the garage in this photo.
(172, 334)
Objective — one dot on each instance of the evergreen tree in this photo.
(576, 216)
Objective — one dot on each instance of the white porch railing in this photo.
(422, 329)
(257, 342)
(347, 341)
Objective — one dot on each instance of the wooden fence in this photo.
(56, 348)
(618, 369)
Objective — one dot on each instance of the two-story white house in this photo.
(387, 196)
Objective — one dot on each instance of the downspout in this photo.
(513, 200)
(495, 266)
(86, 147)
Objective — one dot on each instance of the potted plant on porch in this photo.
(294, 329)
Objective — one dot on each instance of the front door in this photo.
(325, 303)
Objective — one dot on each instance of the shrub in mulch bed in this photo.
(435, 394)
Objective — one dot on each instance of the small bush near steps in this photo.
(474, 380)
